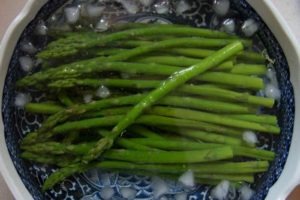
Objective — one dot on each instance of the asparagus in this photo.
(247, 69)
(71, 45)
(65, 114)
(195, 103)
(43, 108)
(176, 80)
(153, 120)
(58, 148)
(61, 161)
(233, 80)
(246, 56)
(165, 44)
(133, 145)
(64, 99)
(175, 145)
(268, 119)
(144, 132)
(232, 168)
(200, 116)
(164, 157)
(239, 177)
(216, 168)
(180, 61)
(213, 118)
(78, 69)
(205, 136)
(187, 145)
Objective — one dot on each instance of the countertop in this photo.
(290, 9)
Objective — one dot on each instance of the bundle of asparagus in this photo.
(188, 97)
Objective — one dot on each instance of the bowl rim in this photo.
(290, 176)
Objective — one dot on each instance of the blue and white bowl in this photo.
(25, 178)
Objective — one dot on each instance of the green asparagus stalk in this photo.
(193, 103)
(64, 99)
(239, 177)
(187, 145)
(245, 56)
(201, 116)
(152, 120)
(233, 80)
(247, 69)
(61, 161)
(43, 108)
(176, 80)
(267, 119)
(169, 157)
(73, 44)
(128, 144)
(213, 118)
(140, 130)
(179, 61)
(205, 136)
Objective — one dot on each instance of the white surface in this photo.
(290, 10)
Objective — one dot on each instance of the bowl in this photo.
(24, 178)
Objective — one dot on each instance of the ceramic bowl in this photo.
(25, 178)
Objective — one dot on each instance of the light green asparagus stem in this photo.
(239, 177)
(204, 136)
(213, 118)
(179, 61)
(253, 153)
(227, 94)
(188, 146)
(176, 80)
(63, 173)
(79, 69)
(152, 120)
(61, 161)
(182, 42)
(73, 44)
(42, 108)
(64, 114)
(128, 144)
(175, 145)
(260, 118)
(187, 102)
(247, 69)
(245, 56)
(175, 157)
(140, 130)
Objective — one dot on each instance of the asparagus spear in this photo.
(212, 154)
(213, 118)
(246, 56)
(247, 69)
(79, 69)
(204, 136)
(200, 116)
(235, 80)
(43, 108)
(176, 80)
(153, 120)
(71, 45)
(187, 145)
(268, 119)
(144, 132)
(179, 61)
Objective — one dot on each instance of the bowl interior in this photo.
(87, 186)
